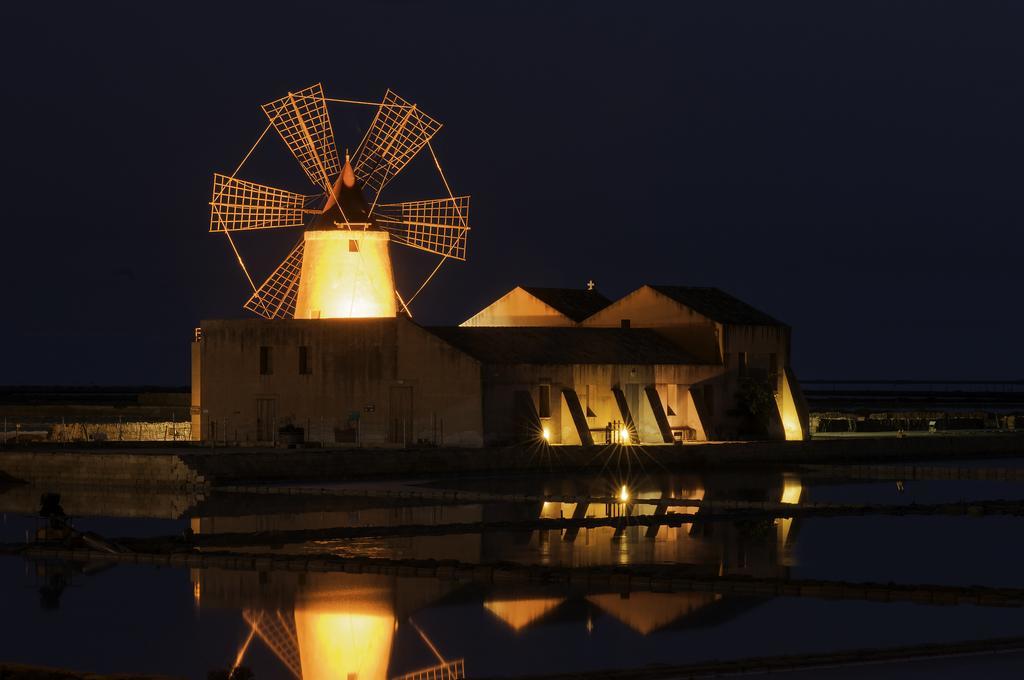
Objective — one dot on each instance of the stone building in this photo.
(658, 366)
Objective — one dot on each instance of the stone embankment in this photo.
(100, 467)
(186, 466)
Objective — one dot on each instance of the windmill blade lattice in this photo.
(275, 298)
(238, 205)
(438, 226)
(302, 120)
(278, 632)
(398, 132)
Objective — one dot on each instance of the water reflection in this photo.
(754, 546)
(326, 625)
(346, 626)
(317, 625)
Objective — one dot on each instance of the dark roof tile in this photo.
(718, 305)
(575, 303)
(554, 345)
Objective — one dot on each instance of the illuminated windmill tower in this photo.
(341, 266)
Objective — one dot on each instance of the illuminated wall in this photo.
(647, 308)
(765, 351)
(518, 308)
(793, 422)
(346, 274)
(593, 384)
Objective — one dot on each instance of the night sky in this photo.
(852, 168)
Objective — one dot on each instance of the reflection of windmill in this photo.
(341, 266)
(315, 644)
(277, 630)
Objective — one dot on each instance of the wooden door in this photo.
(400, 413)
(266, 420)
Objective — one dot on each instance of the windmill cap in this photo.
(345, 202)
(348, 175)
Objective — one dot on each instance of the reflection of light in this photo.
(694, 495)
(197, 591)
(624, 494)
(647, 612)
(245, 646)
(546, 433)
(624, 435)
(345, 632)
(791, 490)
(520, 613)
(343, 644)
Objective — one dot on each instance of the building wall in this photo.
(760, 352)
(380, 382)
(196, 407)
(594, 385)
(518, 308)
(646, 308)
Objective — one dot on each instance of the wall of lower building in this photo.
(594, 385)
(760, 353)
(388, 382)
(446, 383)
(374, 382)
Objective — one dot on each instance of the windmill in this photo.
(341, 265)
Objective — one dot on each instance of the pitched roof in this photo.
(560, 345)
(718, 305)
(575, 303)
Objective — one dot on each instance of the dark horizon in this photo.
(851, 169)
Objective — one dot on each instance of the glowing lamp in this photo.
(624, 494)
(546, 434)
(624, 435)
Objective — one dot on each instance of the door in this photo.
(401, 415)
(266, 420)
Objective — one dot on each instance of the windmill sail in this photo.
(277, 630)
(347, 225)
(437, 226)
(398, 132)
(302, 121)
(275, 298)
(238, 205)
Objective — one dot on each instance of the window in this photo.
(353, 245)
(624, 323)
(266, 361)
(305, 365)
(544, 402)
